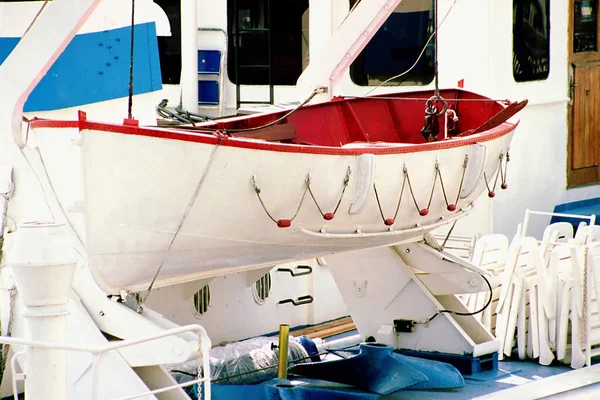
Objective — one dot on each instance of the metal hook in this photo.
(429, 104)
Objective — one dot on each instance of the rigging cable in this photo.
(420, 54)
(436, 93)
(130, 89)
(191, 202)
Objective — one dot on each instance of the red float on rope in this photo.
(328, 216)
(451, 207)
(491, 194)
(424, 212)
(389, 221)
(284, 223)
(504, 186)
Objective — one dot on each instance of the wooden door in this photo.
(584, 109)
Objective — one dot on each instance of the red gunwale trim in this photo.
(187, 136)
(49, 123)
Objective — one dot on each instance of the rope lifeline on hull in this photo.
(451, 207)
(331, 215)
(423, 211)
(286, 223)
(281, 223)
(500, 173)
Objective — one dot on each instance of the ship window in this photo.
(265, 41)
(585, 26)
(396, 46)
(531, 40)
(169, 47)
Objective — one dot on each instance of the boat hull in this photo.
(196, 206)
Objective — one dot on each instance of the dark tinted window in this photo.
(396, 47)
(585, 26)
(169, 47)
(265, 40)
(531, 40)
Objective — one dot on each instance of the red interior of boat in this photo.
(392, 118)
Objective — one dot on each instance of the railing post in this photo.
(43, 268)
(284, 337)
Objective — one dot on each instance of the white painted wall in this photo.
(234, 315)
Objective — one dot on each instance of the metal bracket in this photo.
(307, 270)
(300, 301)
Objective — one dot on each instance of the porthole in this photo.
(261, 289)
(201, 301)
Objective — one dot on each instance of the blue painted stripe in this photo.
(95, 67)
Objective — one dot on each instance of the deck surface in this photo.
(503, 383)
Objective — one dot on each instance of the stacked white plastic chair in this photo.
(520, 269)
(540, 293)
(562, 269)
(588, 234)
(556, 233)
(542, 333)
(490, 254)
(575, 301)
(527, 305)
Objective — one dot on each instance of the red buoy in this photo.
(389, 221)
(424, 212)
(451, 207)
(328, 216)
(284, 223)
(491, 194)
(504, 186)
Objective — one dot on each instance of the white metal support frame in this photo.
(189, 55)
(43, 264)
(327, 67)
(412, 282)
(34, 55)
(19, 74)
(99, 350)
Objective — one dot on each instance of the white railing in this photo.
(97, 352)
(522, 229)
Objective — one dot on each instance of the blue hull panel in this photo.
(95, 67)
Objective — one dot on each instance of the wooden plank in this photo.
(332, 331)
(501, 116)
(272, 133)
(327, 329)
(585, 137)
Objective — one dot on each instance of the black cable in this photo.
(463, 314)
(165, 113)
(192, 116)
(130, 99)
